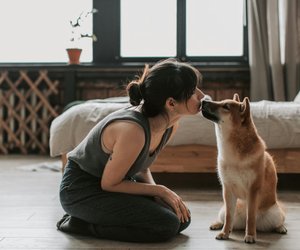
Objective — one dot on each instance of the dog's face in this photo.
(227, 112)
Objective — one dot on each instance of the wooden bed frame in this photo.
(202, 159)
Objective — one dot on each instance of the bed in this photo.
(193, 148)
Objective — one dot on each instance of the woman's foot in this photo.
(71, 224)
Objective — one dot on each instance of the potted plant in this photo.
(78, 32)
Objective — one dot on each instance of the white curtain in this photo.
(274, 49)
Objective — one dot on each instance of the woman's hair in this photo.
(167, 78)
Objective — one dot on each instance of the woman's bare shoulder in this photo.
(125, 130)
(126, 126)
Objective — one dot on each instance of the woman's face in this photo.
(193, 104)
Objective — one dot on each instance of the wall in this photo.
(31, 97)
(219, 83)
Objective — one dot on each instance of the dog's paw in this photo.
(281, 229)
(216, 226)
(250, 239)
(222, 236)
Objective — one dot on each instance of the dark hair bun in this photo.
(134, 93)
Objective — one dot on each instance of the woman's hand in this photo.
(176, 203)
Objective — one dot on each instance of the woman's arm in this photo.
(125, 140)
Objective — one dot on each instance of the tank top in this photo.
(90, 156)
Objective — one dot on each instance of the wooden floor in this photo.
(29, 210)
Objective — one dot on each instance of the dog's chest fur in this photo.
(237, 177)
(236, 171)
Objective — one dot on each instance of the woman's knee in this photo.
(184, 225)
(174, 227)
(168, 228)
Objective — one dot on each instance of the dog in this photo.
(246, 172)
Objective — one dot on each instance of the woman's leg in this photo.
(115, 216)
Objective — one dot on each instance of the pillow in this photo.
(297, 98)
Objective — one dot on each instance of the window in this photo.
(149, 30)
(214, 28)
(35, 31)
(150, 33)
(39, 31)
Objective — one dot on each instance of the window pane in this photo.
(214, 27)
(148, 28)
(40, 31)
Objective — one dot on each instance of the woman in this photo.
(107, 189)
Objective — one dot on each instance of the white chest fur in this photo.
(235, 172)
(237, 178)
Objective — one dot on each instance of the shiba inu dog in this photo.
(246, 171)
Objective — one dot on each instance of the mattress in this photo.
(278, 123)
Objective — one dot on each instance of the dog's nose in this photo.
(204, 104)
(204, 101)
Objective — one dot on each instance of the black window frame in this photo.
(107, 28)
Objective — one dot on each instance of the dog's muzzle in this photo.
(207, 111)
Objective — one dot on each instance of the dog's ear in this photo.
(245, 110)
(236, 97)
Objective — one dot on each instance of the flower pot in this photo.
(74, 55)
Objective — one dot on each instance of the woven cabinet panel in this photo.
(26, 111)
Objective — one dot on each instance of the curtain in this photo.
(274, 49)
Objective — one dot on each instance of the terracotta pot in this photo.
(74, 55)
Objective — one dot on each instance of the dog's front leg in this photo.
(230, 204)
(252, 206)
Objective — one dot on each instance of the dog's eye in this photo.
(226, 106)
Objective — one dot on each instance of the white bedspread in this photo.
(277, 122)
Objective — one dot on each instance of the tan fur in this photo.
(246, 171)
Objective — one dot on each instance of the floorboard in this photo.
(29, 210)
